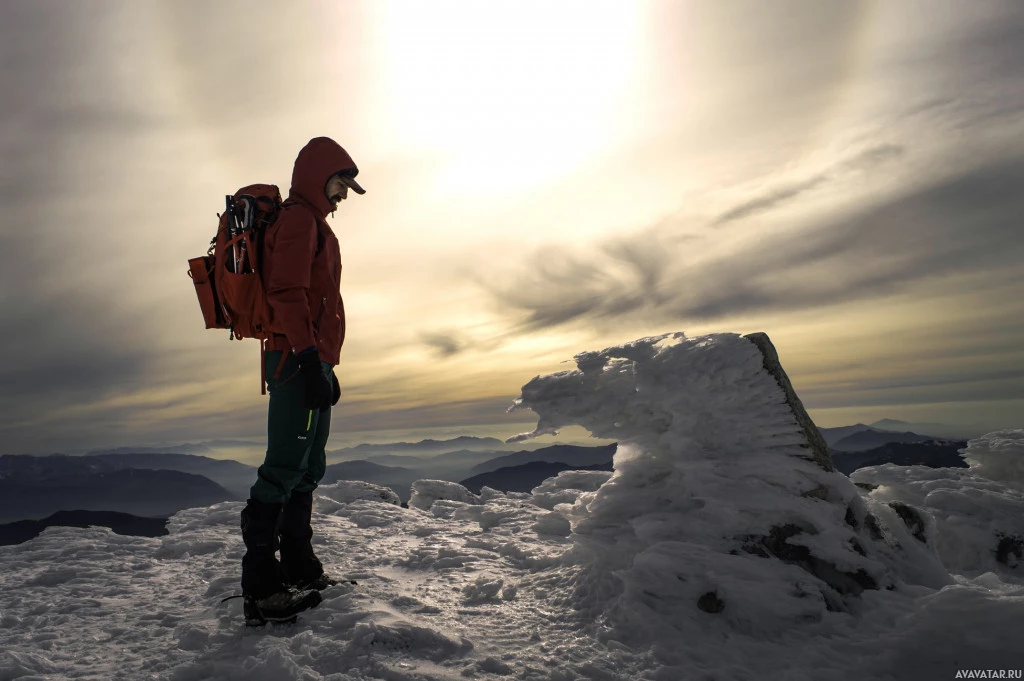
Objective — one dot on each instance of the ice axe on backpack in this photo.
(233, 230)
(227, 279)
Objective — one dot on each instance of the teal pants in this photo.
(296, 435)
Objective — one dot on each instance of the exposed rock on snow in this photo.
(1010, 550)
(711, 603)
(913, 518)
(815, 442)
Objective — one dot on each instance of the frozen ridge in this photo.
(722, 547)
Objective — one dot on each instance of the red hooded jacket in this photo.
(302, 260)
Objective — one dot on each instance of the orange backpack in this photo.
(227, 279)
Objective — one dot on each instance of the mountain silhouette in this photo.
(932, 453)
(525, 477)
(34, 487)
(120, 523)
(869, 439)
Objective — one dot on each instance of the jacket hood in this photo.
(316, 162)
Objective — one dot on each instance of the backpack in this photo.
(227, 279)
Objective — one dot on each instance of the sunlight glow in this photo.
(508, 95)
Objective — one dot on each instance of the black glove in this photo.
(336, 388)
(318, 389)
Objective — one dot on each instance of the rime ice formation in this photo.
(567, 487)
(426, 492)
(331, 497)
(718, 485)
(998, 456)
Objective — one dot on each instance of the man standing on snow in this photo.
(301, 275)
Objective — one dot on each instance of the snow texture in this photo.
(972, 515)
(331, 497)
(717, 550)
(998, 456)
(426, 492)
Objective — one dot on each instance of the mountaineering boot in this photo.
(267, 597)
(300, 566)
(261, 573)
(281, 607)
(320, 583)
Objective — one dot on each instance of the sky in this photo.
(543, 178)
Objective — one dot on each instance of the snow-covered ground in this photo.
(720, 548)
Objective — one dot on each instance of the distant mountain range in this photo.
(869, 439)
(365, 451)
(34, 487)
(120, 523)
(236, 477)
(198, 449)
(941, 429)
(572, 455)
(932, 453)
(524, 477)
(891, 430)
(860, 436)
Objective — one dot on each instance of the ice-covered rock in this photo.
(567, 487)
(426, 492)
(998, 456)
(974, 517)
(329, 497)
(724, 501)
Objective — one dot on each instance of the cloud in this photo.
(866, 160)
(982, 386)
(67, 351)
(772, 199)
(968, 223)
(369, 416)
(444, 344)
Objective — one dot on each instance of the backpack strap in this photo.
(280, 366)
(263, 366)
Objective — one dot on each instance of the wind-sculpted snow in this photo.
(998, 456)
(721, 548)
(331, 497)
(567, 487)
(426, 492)
(974, 518)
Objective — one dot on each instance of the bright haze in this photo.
(542, 179)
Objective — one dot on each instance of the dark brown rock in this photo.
(874, 528)
(710, 602)
(776, 544)
(819, 451)
(1010, 545)
(851, 518)
(912, 518)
